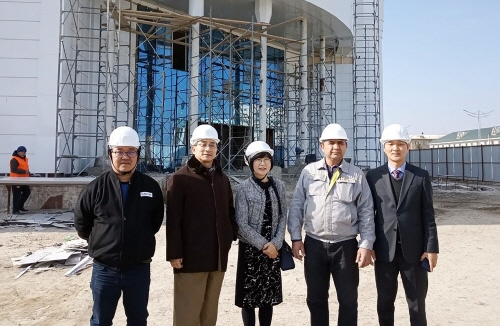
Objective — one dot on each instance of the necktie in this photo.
(396, 174)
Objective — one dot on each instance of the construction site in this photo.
(278, 71)
(272, 76)
(271, 70)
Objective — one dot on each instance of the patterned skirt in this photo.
(258, 278)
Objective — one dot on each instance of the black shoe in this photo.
(23, 209)
(16, 212)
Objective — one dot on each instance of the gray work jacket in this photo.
(336, 215)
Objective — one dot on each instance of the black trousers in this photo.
(20, 195)
(338, 260)
(415, 284)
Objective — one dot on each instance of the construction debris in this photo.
(71, 253)
(40, 221)
(84, 263)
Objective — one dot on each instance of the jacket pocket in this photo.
(346, 190)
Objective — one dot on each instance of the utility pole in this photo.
(479, 114)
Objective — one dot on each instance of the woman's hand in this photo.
(270, 250)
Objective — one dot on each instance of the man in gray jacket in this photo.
(333, 202)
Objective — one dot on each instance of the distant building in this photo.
(422, 141)
(474, 137)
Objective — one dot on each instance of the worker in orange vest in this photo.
(19, 167)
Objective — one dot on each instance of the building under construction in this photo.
(275, 70)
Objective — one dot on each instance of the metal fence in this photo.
(474, 162)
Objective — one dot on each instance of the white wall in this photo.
(342, 9)
(29, 54)
(344, 103)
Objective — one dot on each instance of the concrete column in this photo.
(196, 8)
(263, 90)
(304, 133)
(263, 13)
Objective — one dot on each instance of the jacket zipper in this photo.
(219, 263)
(123, 219)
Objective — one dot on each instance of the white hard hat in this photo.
(124, 136)
(255, 148)
(204, 132)
(395, 132)
(333, 131)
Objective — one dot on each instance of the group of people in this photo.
(390, 210)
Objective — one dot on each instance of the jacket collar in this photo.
(114, 176)
(199, 168)
(407, 181)
(321, 165)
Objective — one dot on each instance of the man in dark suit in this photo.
(405, 228)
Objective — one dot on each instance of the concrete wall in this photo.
(58, 197)
(29, 54)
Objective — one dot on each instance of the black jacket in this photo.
(120, 236)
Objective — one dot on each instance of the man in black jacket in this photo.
(119, 214)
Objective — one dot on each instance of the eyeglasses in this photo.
(264, 160)
(129, 153)
(210, 146)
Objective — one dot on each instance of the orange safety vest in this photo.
(23, 165)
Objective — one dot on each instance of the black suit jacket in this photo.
(414, 214)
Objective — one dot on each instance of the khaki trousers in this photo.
(196, 298)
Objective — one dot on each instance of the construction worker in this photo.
(119, 214)
(333, 203)
(19, 167)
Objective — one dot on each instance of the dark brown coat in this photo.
(201, 221)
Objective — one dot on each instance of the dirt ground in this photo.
(463, 290)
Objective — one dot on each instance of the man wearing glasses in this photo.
(201, 226)
(119, 214)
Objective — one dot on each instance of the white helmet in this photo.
(204, 132)
(255, 148)
(333, 131)
(124, 136)
(395, 132)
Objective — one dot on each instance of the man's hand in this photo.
(270, 250)
(364, 257)
(298, 249)
(176, 263)
(433, 259)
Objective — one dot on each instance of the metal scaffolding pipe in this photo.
(110, 64)
(303, 87)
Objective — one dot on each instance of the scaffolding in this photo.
(367, 83)
(322, 90)
(130, 64)
(94, 84)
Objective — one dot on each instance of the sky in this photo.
(439, 58)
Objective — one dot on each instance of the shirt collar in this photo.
(401, 168)
(326, 166)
